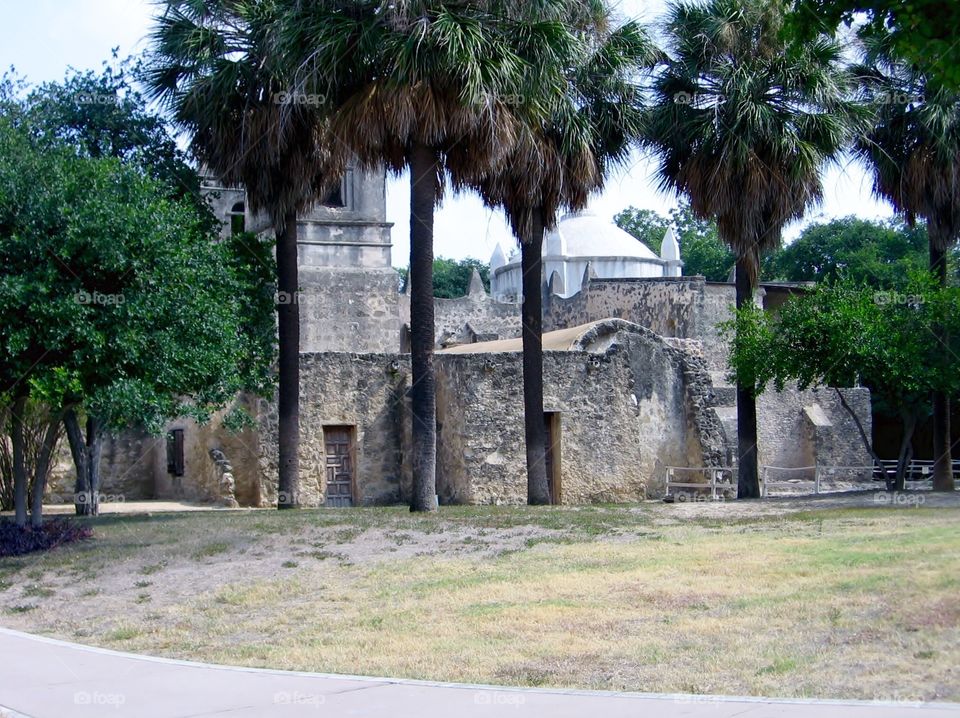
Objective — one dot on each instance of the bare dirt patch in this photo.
(831, 596)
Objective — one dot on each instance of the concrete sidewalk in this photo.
(46, 678)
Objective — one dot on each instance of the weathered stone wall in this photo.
(134, 466)
(365, 391)
(625, 414)
(475, 317)
(344, 310)
(668, 307)
(807, 428)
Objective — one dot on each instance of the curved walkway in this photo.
(46, 678)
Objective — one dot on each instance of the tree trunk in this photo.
(19, 461)
(424, 168)
(78, 451)
(748, 473)
(94, 451)
(906, 451)
(288, 325)
(41, 470)
(943, 460)
(86, 452)
(535, 430)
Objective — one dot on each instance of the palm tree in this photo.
(913, 148)
(215, 66)
(412, 84)
(560, 158)
(743, 123)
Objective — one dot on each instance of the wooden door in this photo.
(338, 442)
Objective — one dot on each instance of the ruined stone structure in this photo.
(634, 379)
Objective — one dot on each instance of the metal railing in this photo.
(723, 478)
(719, 478)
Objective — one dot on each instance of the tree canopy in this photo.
(702, 251)
(847, 334)
(115, 296)
(880, 254)
(923, 31)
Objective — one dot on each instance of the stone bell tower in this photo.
(349, 289)
(349, 300)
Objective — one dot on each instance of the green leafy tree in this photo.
(645, 224)
(743, 122)
(117, 303)
(701, 249)
(451, 277)
(103, 114)
(879, 254)
(845, 335)
(913, 148)
(923, 32)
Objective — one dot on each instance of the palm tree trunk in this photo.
(424, 167)
(943, 461)
(531, 263)
(748, 474)
(19, 461)
(288, 327)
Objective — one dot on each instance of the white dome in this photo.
(586, 235)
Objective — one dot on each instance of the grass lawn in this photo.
(852, 602)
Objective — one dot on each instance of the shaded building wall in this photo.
(134, 465)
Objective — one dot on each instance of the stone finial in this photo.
(498, 258)
(670, 254)
(588, 275)
(476, 290)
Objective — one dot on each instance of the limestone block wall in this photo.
(476, 313)
(364, 391)
(669, 307)
(807, 428)
(344, 310)
(625, 413)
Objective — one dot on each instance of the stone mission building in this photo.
(634, 378)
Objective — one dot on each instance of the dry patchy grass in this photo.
(856, 603)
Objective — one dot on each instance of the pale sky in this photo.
(41, 38)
